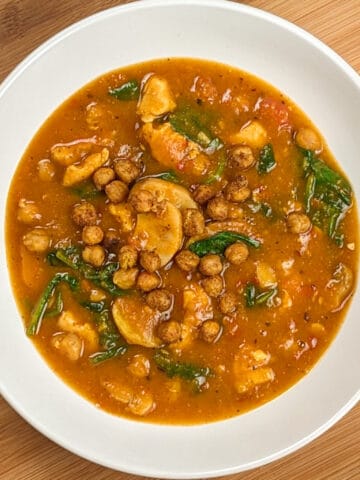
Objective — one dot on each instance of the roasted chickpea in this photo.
(204, 193)
(139, 366)
(210, 265)
(308, 139)
(111, 238)
(228, 303)
(150, 261)
(116, 191)
(148, 281)
(209, 331)
(237, 253)
(159, 299)
(127, 170)
(125, 279)
(103, 176)
(37, 240)
(92, 234)
(84, 214)
(218, 208)
(94, 254)
(237, 191)
(187, 261)
(142, 201)
(169, 331)
(128, 256)
(193, 222)
(241, 157)
(298, 222)
(213, 286)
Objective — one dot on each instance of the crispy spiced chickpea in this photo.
(193, 222)
(103, 176)
(218, 208)
(237, 253)
(142, 201)
(241, 157)
(298, 222)
(209, 331)
(169, 331)
(308, 139)
(210, 265)
(213, 286)
(84, 214)
(127, 170)
(148, 281)
(92, 234)
(150, 261)
(94, 254)
(159, 299)
(128, 256)
(139, 366)
(111, 238)
(37, 240)
(237, 191)
(228, 303)
(125, 279)
(187, 261)
(116, 191)
(203, 193)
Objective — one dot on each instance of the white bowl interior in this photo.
(323, 86)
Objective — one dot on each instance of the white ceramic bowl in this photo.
(324, 86)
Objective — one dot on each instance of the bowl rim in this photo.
(48, 45)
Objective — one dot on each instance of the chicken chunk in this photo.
(252, 134)
(68, 322)
(250, 369)
(68, 153)
(139, 403)
(339, 287)
(37, 240)
(68, 344)
(78, 173)
(174, 150)
(28, 212)
(156, 99)
(124, 214)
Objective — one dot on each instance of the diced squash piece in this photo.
(265, 275)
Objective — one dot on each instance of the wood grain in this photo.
(25, 453)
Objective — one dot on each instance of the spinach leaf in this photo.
(261, 207)
(267, 160)
(327, 195)
(254, 297)
(127, 91)
(169, 176)
(58, 307)
(187, 371)
(220, 241)
(216, 175)
(41, 305)
(192, 124)
(86, 191)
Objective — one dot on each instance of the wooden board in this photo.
(25, 453)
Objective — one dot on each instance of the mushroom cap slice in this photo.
(160, 233)
(136, 321)
(164, 190)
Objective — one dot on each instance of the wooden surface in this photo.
(25, 453)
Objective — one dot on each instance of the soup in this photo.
(181, 242)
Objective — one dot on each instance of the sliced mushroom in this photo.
(136, 321)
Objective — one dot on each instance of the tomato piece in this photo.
(274, 110)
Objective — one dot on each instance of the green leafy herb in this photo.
(71, 257)
(253, 297)
(97, 307)
(192, 124)
(39, 309)
(217, 174)
(86, 191)
(267, 160)
(127, 91)
(261, 207)
(169, 176)
(327, 195)
(220, 241)
(58, 307)
(187, 371)
(109, 338)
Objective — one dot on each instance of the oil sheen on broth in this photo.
(182, 244)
